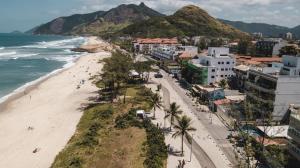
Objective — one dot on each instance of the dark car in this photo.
(158, 75)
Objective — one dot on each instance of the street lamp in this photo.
(191, 147)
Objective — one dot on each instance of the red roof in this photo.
(157, 40)
(222, 101)
(185, 55)
(257, 60)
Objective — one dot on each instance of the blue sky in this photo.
(18, 15)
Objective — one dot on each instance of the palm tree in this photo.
(156, 102)
(182, 129)
(173, 112)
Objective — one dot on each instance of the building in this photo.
(273, 89)
(294, 133)
(241, 74)
(269, 46)
(208, 93)
(218, 64)
(162, 53)
(172, 53)
(146, 45)
(257, 35)
(191, 50)
(257, 61)
(289, 36)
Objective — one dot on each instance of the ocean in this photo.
(25, 59)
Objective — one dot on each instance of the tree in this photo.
(288, 50)
(223, 83)
(142, 67)
(182, 129)
(156, 102)
(243, 47)
(116, 70)
(173, 113)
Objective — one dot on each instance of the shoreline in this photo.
(37, 125)
(29, 86)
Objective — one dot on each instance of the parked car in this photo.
(158, 75)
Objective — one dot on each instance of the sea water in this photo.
(28, 58)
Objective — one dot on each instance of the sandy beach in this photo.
(36, 124)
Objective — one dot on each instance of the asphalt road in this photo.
(198, 152)
(217, 131)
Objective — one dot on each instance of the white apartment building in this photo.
(218, 62)
(273, 90)
(172, 52)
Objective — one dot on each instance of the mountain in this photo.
(266, 29)
(100, 22)
(187, 21)
(296, 31)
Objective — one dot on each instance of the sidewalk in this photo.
(202, 136)
(175, 143)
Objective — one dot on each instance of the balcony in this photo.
(294, 149)
(266, 99)
(294, 134)
(261, 88)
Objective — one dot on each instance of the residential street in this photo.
(212, 147)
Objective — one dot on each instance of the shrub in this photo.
(90, 137)
(157, 149)
(128, 120)
(75, 162)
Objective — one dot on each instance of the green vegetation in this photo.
(173, 112)
(98, 23)
(156, 102)
(188, 21)
(109, 134)
(156, 150)
(223, 83)
(182, 129)
(289, 50)
(141, 21)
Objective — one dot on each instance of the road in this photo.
(218, 131)
(199, 153)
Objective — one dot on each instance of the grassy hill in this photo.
(141, 21)
(188, 21)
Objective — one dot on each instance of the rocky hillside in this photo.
(188, 21)
(101, 22)
(141, 21)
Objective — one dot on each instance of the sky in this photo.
(25, 14)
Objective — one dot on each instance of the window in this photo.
(222, 62)
(212, 77)
(225, 75)
(222, 69)
(226, 69)
(219, 62)
(222, 76)
(213, 70)
(228, 62)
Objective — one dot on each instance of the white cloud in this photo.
(281, 12)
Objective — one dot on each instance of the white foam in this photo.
(41, 79)
(1, 48)
(8, 53)
(24, 55)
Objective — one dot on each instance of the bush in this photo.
(75, 162)
(157, 149)
(90, 137)
(128, 120)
